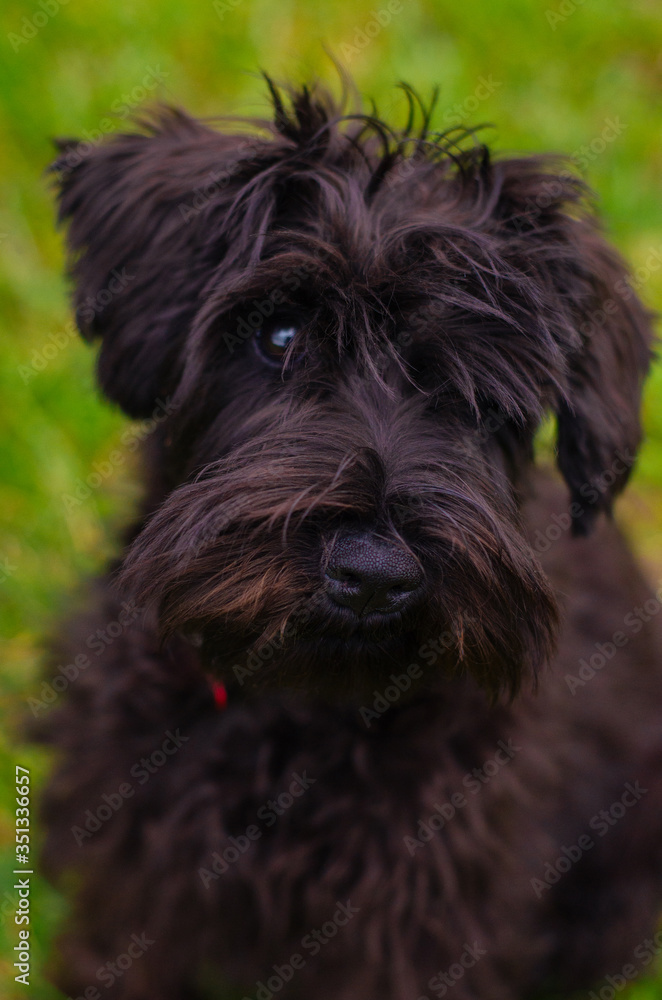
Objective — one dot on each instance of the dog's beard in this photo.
(307, 651)
(320, 665)
(235, 563)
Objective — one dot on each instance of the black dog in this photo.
(355, 333)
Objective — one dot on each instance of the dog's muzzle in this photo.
(371, 576)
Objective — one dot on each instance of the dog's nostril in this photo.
(344, 576)
(367, 574)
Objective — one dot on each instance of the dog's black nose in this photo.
(367, 574)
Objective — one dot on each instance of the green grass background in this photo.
(559, 71)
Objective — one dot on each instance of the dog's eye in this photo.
(274, 338)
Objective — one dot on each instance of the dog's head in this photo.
(357, 332)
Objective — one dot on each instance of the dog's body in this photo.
(342, 526)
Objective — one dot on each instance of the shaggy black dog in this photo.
(323, 737)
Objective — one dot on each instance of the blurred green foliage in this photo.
(561, 75)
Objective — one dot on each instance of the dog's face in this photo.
(358, 334)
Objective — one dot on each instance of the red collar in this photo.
(220, 694)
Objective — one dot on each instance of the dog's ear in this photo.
(141, 248)
(595, 316)
(599, 429)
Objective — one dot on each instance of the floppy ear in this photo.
(600, 324)
(599, 429)
(141, 245)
